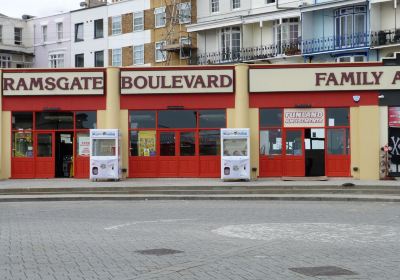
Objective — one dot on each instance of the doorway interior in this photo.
(314, 143)
(64, 148)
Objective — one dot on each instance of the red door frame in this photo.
(44, 166)
(294, 165)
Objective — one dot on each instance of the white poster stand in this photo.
(235, 153)
(105, 155)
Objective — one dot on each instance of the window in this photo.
(138, 21)
(161, 55)
(104, 147)
(79, 32)
(177, 119)
(353, 58)
(44, 33)
(159, 17)
(286, 35)
(22, 144)
(337, 117)
(116, 57)
(85, 120)
(80, 60)
(116, 27)
(235, 4)
(185, 50)
(210, 142)
(271, 117)
(138, 55)
(54, 120)
(271, 132)
(99, 59)
(338, 133)
(98, 28)
(56, 60)
(143, 141)
(22, 120)
(5, 61)
(269, 1)
(214, 6)
(60, 31)
(212, 119)
(350, 26)
(230, 43)
(17, 36)
(1, 33)
(185, 12)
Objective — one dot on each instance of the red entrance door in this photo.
(294, 153)
(44, 155)
(178, 154)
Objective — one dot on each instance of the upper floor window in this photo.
(99, 59)
(185, 47)
(80, 60)
(286, 35)
(98, 28)
(56, 60)
(235, 4)
(269, 1)
(351, 26)
(185, 12)
(116, 27)
(138, 54)
(44, 33)
(230, 43)
(5, 61)
(18, 36)
(159, 16)
(214, 6)
(60, 31)
(161, 55)
(116, 57)
(79, 32)
(138, 21)
(1, 33)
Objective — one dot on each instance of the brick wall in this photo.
(127, 56)
(127, 23)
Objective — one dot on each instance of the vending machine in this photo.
(235, 153)
(105, 155)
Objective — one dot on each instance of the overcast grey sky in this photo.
(17, 8)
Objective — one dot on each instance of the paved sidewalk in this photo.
(178, 182)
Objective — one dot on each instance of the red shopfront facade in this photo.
(51, 114)
(306, 132)
(175, 119)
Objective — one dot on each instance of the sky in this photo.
(17, 8)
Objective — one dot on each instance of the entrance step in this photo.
(301, 179)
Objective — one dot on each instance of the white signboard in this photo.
(340, 78)
(177, 81)
(303, 117)
(52, 83)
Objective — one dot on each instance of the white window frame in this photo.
(185, 12)
(159, 17)
(56, 60)
(228, 49)
(138, 51)
(116, 57)
(140, 17)
(60, 31)
(158, 50)
(236, 5)
(44, 33)
(189, 42)
(214, 6)
(116, 25)
(351, 58)
(18, 42)
(5, 61)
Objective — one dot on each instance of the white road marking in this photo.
(147, 222)
(309, 232)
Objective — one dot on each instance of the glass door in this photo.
(45, 158)
(294, 152)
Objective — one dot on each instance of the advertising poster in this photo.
(299, 117)
(83, 145)
(147, 143)
(394, 116)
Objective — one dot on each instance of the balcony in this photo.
(335, 43)
(248, 54)
(385, 38)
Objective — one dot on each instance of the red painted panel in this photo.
(143, 167)
(67, 103)
(82, 166)
(210, 166)
(188, 101)
(44, 167)
(294, 166)
(337, 165)
(168, 166)
(188, 166)
(315, 99)
(22, 168)
(271, 166)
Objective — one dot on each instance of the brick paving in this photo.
(100, 240)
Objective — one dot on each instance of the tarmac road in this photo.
(199, 240)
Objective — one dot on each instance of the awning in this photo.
(271, 16)
(214, 24)
(330, 5)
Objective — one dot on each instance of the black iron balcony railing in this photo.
(332, 43)
(385, 37)
(248, 54)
